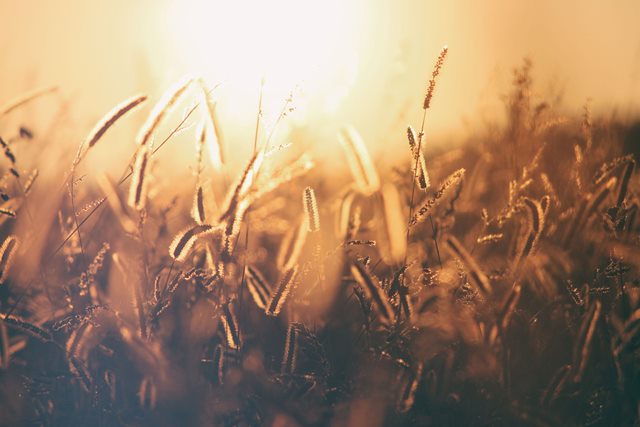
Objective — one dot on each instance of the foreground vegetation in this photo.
(491, 284)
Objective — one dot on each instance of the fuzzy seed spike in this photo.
(434, 74)
(311, 210)
(372, 288)
(422, 213)
(282, 292)
(7, 255)
(421, 175)
(111, 117)
(184, 241)
(138, 189)
(258, 287)
(289, 357)
(159, 110)
(230, 324)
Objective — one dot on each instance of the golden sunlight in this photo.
(344, 213)
(301, 45)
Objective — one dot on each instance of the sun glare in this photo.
(303, 44)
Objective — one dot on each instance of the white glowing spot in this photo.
(307, 44)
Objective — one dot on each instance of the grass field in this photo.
(490, 284)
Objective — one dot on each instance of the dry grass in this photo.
(243, 310)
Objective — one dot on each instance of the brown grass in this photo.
(182, 307)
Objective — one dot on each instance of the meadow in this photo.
(494, 283)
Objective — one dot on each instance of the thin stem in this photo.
(248, 213)
(435, 241)
(413, 181)
(75, 221)
(124, 177)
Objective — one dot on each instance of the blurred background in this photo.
(348, 61)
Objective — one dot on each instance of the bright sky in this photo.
(352, 61)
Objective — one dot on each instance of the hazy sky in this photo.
(101, 52)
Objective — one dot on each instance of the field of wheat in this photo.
(495, 283)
